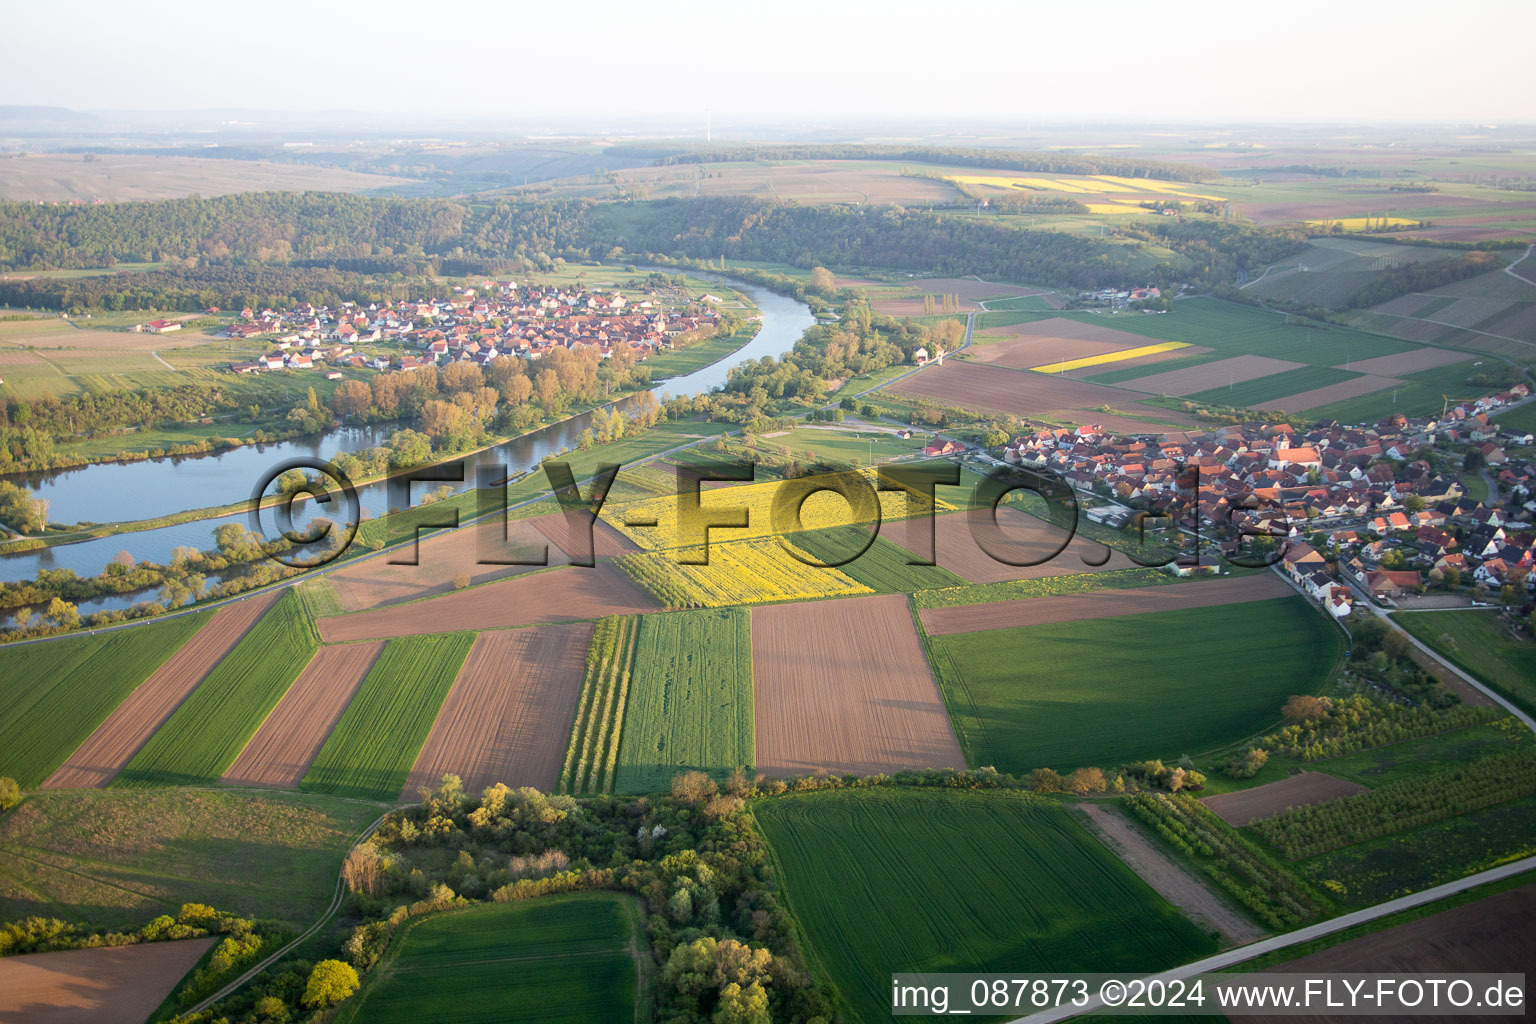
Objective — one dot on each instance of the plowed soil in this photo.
(1011, 391)
(559, 595)
(126, 729)
(1058, 339)
(1101, 604)
(280, 752)
(508, 717)
(1210, 375)
(1027, 539)
(1408, 362)
(111, 985)
(844, 686)
(1250, 805)
(1366, 385)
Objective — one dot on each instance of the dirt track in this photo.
(1102, 604)
(1027, 539)
(282, 749)
(844, 686)
(1250, 805)
(558, 595)
(508, 717)
(1492, 934)
(1011, 391)
(1172, 881)
(129, 727)
(1190, 379)
(110, 985)
(1354, 388)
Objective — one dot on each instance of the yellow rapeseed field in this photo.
(1362, 223)
(739, 572)
(1109, 357)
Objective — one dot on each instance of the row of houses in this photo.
(478, 325)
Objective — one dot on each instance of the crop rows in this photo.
(370, 753)
(1267, 890)
(739, 572)
(205, 735)
(1357, 723)
(883, 567)
(691, 703)
(593, 754)
(1043, 586)
(1303, 832)
(55, 694)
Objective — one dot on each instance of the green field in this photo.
(1421, 757)
(850, 447)
(1043, 586)
(55, 694)
(885, 567)
(117, 858)
(1107, 691)
(690, 704)
(1523, 418)
(1474, 641)
(1254, 393)
(1420, 394)
(370, 753)
(556, 960)
(212, 726)
(884, 880)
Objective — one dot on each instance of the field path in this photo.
(508, 717)
(282, 749)
(1170, 879)
(129, 727)
(1101, 604)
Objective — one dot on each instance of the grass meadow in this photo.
(375, 744)
(205, 735)
(53, 695)
(690, 702)
(887, 880)
(1474, 641)
(1105, 691)
(556, 960)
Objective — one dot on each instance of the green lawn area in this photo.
(844, 446)
(665, 365)
(214, 723)
(690, 700)
(555, 960)
(53, 695)
(370, 754)
(1474, 641)
(1523, 418)
(1107, 691)
(114, 858)
(885, 880)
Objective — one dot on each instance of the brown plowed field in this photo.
(115, 741)
(844, 686)
(559, 595)
(282, 749)
(1102, 604)
(443, 557)
(1210, 375)
(508, 717)
(606, 541)
(1003, 390)
(1250, 805)
(1333, 393)
(1492, 934)
(1028, 539)
(109, 985)
(1057, 339)
(1407, 362)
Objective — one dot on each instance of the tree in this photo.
(1083, 781)
(1451, 577)
(693, 787)
(1413, 503)
(743, 1005)
(329, 983)
(1045, 780)
(10, 793)
(461, 376)
(352, 400)
(1304, 708)
(823, 281)
(1473, 461)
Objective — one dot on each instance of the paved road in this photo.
(1242, 954)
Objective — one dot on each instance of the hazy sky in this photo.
(1341, 60)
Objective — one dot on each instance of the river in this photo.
(116, 492)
